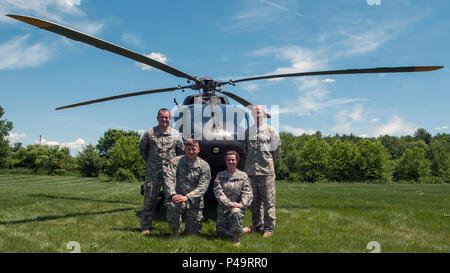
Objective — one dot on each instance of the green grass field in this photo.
(45, 213)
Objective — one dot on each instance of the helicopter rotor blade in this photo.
(139, 93)
(347, 71)
(91, 40)
(240, 100)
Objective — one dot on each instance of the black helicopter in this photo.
(213, 98)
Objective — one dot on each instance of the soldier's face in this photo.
(191, 152)
(231, 161)
(258, 112)
(163, 119)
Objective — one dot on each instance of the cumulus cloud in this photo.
(155, 56)
(396, 126)
(441, 128)
(327, 80)
(14, 137)
(297, 131)
(74, 145)
(19, 53)
(300, 59)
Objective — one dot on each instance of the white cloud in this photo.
(14, 137)
(17, 53)
(314, 97)
(441, 128)
(141, 131)
(74, 145)
(396, 126)
(347, 118)
(327, 80)
(156, 56)
(300, 59)
(297, 131)
(132, 39)
(50, 9)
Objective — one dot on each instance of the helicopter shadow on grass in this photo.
(56, 217)
(159, 216)
(81, 199)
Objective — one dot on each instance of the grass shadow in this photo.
(56, 217)
(81, 199)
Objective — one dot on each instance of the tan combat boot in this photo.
(145, 232)
(236, 239)
(174, 233)
(249, 229)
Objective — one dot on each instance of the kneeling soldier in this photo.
(186, 182)
(233, 193)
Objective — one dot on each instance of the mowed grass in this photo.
(45, 213)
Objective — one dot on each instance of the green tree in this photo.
(109, 138)
(440, 157)
(422, 134)
(375, 164)
(5, 127)
(89, 161)
(54, 159)
(125, 155)
(345, 162)
(412, 165)
(313, 159)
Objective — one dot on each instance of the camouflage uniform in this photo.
(190, 179)
(262, 145)
(228, 189)
(157, 148)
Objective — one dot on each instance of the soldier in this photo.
(186, 182)
(262, 144)
(233, 193)
(158, 146)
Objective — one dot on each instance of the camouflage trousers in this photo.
(152, 187)
(193, 217)
(229, 221)
(263, 204)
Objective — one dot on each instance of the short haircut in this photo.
(192, 142)
(232, 152)
(163, 110)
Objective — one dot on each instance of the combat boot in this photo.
(235, 238)
(145, 232)
(249, 229)
(174, 233)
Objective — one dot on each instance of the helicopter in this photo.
(212, 99)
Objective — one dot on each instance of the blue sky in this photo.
(40, 71)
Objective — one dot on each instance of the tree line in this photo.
(349, 158)
(306, 158)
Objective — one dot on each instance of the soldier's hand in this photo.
(178, 199)
(236, 205)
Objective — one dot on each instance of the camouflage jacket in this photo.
(262, 145)
(233, 188)
(186, 178)
(157, 148)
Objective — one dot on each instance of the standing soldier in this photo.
(158, 146)
(186, 182)
(262, 144)
(233, 193)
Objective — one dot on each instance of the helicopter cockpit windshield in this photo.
(216, 122)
